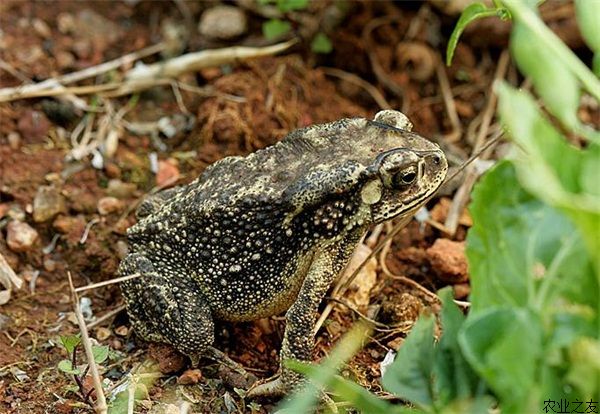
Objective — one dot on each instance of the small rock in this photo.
(122, 249)
(448, 260)
(167, 173)
(16, 212)
(190, 377)
(20, 236)
(14, 140)
(66, 224)
(120, 189)
(102, 334)
(107, 205)
(112, 170)
(122, 330)
(49, 264)
(33, 126)
(222, 22)
(116, 344)
(48, 202)
(64, 59)
(41, 28)
(65, 23)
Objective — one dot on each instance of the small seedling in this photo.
(69, 366)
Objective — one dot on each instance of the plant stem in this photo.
(548, 39)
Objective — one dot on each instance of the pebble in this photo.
(108, 205)
(222, 22)
(122, 249)
(65, 224)
(41, 28)
(20, 236)
(120, 189)
(48, 202)
(190, 377)
(14, 140)
(448, 260)
(122, 330)
(49, 264)
(167, 173)
(33, 126)
(102, 333)
(112, 170)
(16, 212)
(64, 59)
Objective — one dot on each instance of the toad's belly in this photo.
(260, 297)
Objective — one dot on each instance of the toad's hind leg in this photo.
(167, 307)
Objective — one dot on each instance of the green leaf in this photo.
(455, 380)
(275, 28)
(513, 242)
(410, 376)
(321, 44)
(470, 13)
(558, 173)
(70, 342)
(588, 15)
(504, 346)
(100, 353)
(289, 5)
(552, 79)
(584, 371)
(67, 367)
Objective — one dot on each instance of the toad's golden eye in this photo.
(404, 178)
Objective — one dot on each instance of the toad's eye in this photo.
(404, 178)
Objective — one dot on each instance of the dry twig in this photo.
(462, 195)
(356, 80)
(100, 405)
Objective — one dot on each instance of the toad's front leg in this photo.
(298, 340)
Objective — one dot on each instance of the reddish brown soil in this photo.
(281, 93)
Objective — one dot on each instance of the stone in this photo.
(448, 260)
(108, 205)
(20, 236)
(222, 22)
(48, 202)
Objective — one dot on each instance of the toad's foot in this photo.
(273, 388)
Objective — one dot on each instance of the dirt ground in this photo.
(74, 209)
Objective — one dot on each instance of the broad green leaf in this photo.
(455, 380)
(70, 342)
(321, 44)
(67, 367)
(552, 79)
(470, 13)
(514, 240)
(588, 17)
(558, 173)
(100, 353)
(410, 376)
(275, 28)
(504, 346)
